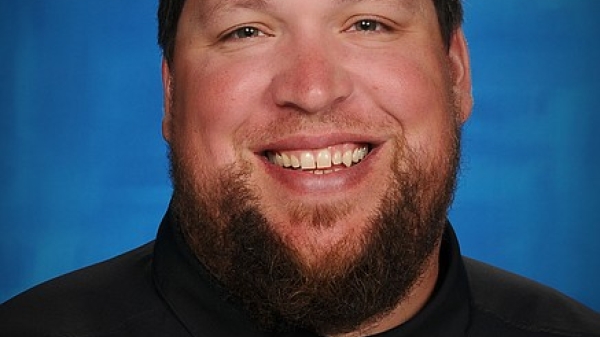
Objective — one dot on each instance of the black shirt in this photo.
(160, 289)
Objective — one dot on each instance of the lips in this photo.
(320, 161)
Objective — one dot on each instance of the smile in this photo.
(320, 161)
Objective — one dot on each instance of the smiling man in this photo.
(314, 147)
(314, 155)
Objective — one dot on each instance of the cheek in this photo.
(213, 103)
(414, 92)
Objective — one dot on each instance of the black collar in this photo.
(198, 301)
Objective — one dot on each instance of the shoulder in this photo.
(516, 306)
(93, 300)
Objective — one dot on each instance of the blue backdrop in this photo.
(83, 168)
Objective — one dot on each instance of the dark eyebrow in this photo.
(410, 4)
(225, 5)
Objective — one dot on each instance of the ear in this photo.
(461, 73)
(167, 101)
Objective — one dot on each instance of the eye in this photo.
(245, 32)
(368, 25)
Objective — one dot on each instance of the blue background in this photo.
(83, 168)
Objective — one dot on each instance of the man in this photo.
(314, 150)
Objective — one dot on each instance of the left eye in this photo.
(368, 25)
(245, 33)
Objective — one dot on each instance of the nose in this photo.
(310, 78)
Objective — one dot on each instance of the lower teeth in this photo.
(320, 172)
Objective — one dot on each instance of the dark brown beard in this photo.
(224, 226)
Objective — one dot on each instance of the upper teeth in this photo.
(318, 160)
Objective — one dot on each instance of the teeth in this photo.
(286, 160)
(320, 161)
(347, 159)
(295, 161)
(359, 154)
(363, 152)
(307, 161)
(324, 159)
(278, 160)
(337, 158)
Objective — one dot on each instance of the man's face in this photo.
(315, 114)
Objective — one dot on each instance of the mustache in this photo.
(299, 123)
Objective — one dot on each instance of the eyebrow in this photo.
(225, 5)
(411, 5)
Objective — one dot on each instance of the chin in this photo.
(314, 242)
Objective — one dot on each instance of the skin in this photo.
(309, 77)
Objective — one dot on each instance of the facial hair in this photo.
(224, 225)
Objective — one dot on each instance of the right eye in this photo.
(245, 32)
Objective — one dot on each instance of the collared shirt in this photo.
(161, 289)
